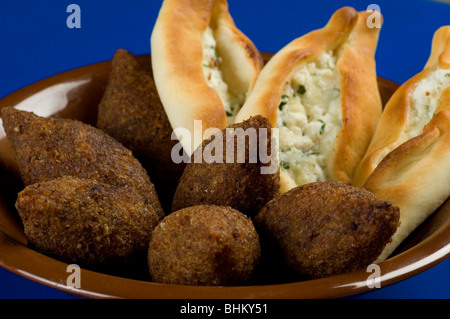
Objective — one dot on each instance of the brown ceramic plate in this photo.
(76, 94)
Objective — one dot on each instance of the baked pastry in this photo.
(415, 177)
(321, 91)
(411, 107)
(203, 65)
(408, 163)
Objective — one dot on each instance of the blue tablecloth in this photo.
(36, 43)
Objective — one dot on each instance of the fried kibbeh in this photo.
(86, 222)
(47, 148)
(204, 245)
(327, 228)
(240, 183)
(132, 113)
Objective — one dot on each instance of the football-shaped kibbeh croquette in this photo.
(240, 185)
(204, 245)
(132, 113)
(47, 148)
(86, 222)
(327, 228)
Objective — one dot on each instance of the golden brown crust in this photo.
(385, 140)
(326, 228)
(398, 110)
(131, 112)
(415, 176)
(240, 185)
(360, 112)
(177, 62)
(265, 96)
(47, 148)
(86, 222)
(440, 49)
(348, 33)
(235, 48)
(204, 245)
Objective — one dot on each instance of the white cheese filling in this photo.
(213, 75)
(425, 100)
(309, 119)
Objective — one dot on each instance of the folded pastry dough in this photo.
(411, 106)
(204, 66)
(408, 161)
(321, 91)
(415, 176)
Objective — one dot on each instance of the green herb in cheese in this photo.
(211, 68)
(301, 89)
(309, 119)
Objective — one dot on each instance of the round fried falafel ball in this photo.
(86, 222)
(327, 228)
(204, 245)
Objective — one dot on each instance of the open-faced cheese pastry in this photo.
(321, 92)
(411, 107)
(408, 161)
(204, 66)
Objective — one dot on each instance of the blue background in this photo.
(36, 43)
